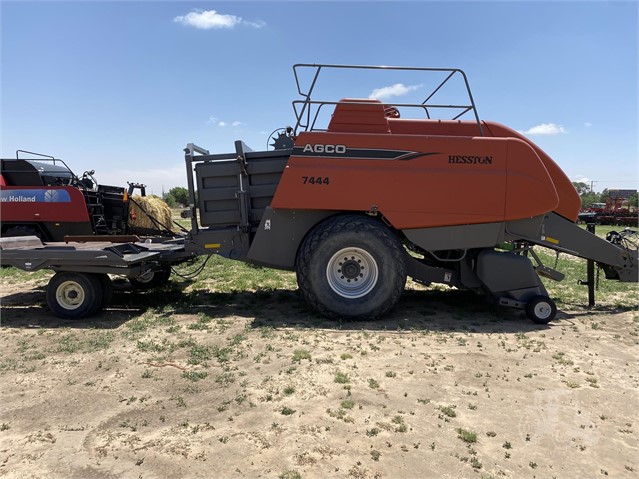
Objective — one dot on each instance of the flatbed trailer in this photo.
(81, 285)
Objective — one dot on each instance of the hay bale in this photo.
(149, 206)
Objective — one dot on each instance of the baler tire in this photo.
(152, 279)
(74, 295)
(362, 241)
(541, 309)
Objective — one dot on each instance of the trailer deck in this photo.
(129, 259)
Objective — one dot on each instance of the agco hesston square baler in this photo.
(376, 193)
(358, 205)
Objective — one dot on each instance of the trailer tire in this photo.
(151, 279)
(107, 290)
(351, 267)
(541, 309)
(74, 295)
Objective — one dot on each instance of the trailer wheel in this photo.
(74, 295)
(541, 309)
(107, 290)
(351, 267)
(151, 279)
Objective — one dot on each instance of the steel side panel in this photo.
(258, 165)
(228, 242)
(421, 191)
(522, 229)
(507, 273)
(222, 202)
(280, 234)
(457, 237)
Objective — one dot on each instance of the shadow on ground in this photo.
(432, 310)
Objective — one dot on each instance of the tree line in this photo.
(176, 197)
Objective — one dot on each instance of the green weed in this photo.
(468, 437)
(194, 375)
(300, 354)
(448, 411)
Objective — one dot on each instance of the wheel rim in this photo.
(543, 310)
(352, 273)
(70, 295)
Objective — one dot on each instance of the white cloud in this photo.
(255, 24)
(216, 121)
(545, 129)
(587, 124)
(398, 89)
(208, 19)
(581, 179)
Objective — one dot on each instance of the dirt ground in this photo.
(173, 385)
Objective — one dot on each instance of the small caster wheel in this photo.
(541, 309)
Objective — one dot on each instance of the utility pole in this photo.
(591, 185)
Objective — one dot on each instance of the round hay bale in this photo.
(143, 208)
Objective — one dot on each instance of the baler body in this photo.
(466, 199)
(422, 173)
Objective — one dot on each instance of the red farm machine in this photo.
(616, 210)
(43, 197)
(362, 193)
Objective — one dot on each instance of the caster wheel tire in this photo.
(541, 309)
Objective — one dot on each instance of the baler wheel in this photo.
(541, 309)
(351, 267)
(74, 295)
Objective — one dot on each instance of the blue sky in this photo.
(121, 87)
